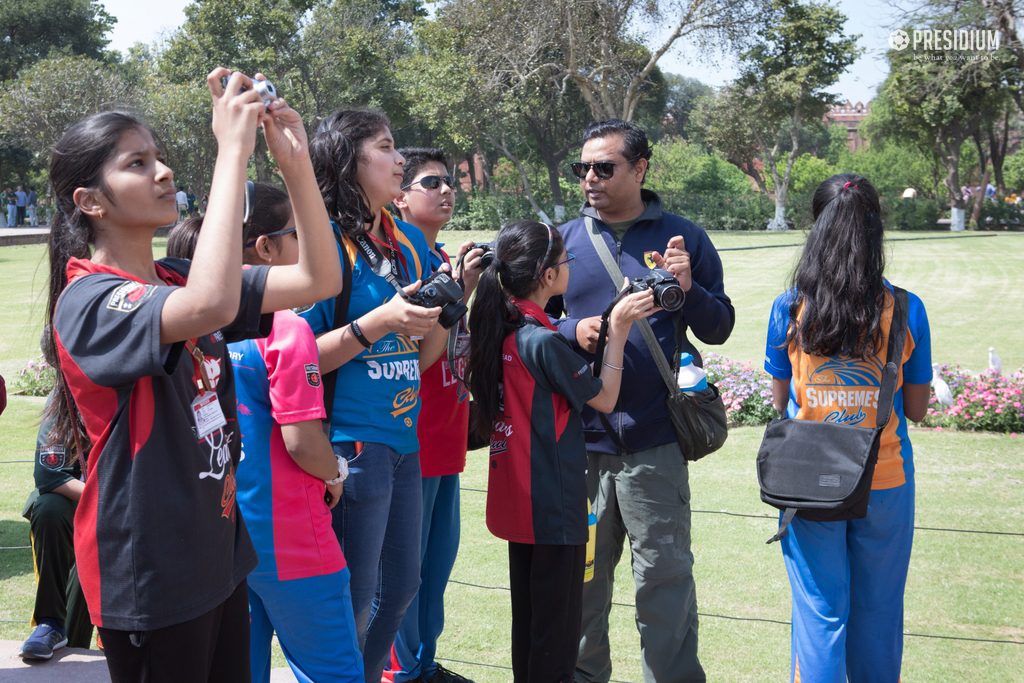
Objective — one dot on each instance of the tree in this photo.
(801, 51)
(52, 94)
(940, 101)
(31, 29)
(594, 43)
(717, 123)
(682, 96)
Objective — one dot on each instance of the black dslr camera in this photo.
(668, 294)
(487, 257)
(441, 290)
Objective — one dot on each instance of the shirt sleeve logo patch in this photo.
(129, 295)
(649, 259)
(53, 458)
(313, 374)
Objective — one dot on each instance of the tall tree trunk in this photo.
(997, 150)
(556, 190)
(471, 167)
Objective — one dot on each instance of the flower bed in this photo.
(746, 391)
(988, 402)
(36, 379)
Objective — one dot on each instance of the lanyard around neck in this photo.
(200, 375)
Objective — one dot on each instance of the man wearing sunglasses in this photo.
(427, 201)
(637, 476)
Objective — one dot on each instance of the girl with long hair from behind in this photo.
(530, 386)
(826, 349)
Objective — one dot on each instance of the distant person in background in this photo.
(32, 205)
(190, 200)
(12, 207)
(427, 201)
(60, 615)
(182, 199)
(22, 198)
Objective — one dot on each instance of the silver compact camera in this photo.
(265, 89)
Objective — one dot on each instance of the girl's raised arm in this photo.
(317, 275)
(210, 299)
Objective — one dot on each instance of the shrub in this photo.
(911, 214)
(746, 392)
(36, 379)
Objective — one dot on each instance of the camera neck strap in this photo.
(384, 267)
(597, 238)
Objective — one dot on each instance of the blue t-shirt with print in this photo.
(377, 395)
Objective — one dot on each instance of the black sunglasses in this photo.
(602, 169)
(276, 233)
(432, 182)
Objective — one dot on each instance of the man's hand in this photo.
(587, 332)
(676, 261)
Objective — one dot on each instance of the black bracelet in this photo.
(359, 334)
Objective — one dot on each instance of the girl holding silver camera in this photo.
(141, 344)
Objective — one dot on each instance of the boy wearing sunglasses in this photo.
(637, 475)
(427, 201)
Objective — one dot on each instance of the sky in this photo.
(872, 19)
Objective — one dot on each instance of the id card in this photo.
(207, 413)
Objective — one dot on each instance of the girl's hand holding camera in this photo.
(237, 110)
(405, 317)
(631, 308)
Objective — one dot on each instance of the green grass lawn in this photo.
(968, 586)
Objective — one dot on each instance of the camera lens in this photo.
(669, 296)
(451, 314)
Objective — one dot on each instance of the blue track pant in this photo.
(848, 580)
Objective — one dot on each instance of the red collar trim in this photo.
(532, 310)
(77, 267)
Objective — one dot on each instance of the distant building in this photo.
(849, 116)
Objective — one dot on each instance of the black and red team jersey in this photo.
(537, 488)
(158, 537)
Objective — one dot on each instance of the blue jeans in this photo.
(12, 215)
(416, 641)
(314, 624)
(379, 523)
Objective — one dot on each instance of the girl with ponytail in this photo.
(161, 550)
(530, 386)
(826, 349)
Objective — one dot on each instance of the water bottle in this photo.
(691, 379)
(588, 568)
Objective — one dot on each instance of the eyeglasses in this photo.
(569, 260)
(602, 169)
(276, 233)
(432, 182)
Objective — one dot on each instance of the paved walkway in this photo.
(12, 236)
(72, 665)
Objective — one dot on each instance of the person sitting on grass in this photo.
(60, 615)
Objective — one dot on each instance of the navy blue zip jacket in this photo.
(640, 417)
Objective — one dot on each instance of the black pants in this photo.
(58, 593)
(547, 606)
(212, 648)
(20, 216)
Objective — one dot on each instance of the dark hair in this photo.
(839, 283)
(181, 240)
(518, 249)
(415, 159)
(335, 152)
(271, 210)
(77, 161)
(635, 145)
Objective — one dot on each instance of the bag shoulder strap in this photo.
(893, 354)
(645, 327)
(341, 302)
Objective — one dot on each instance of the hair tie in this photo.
(848, 185)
